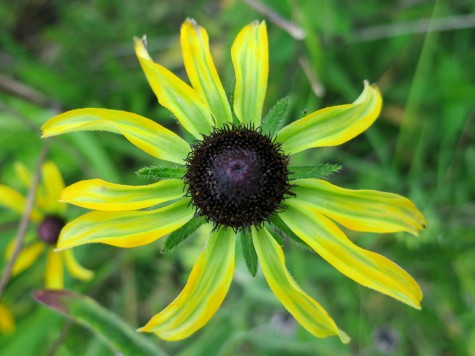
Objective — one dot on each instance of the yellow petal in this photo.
(365, 267)
(144, 133)
(203, 294)
(28, 255)
(303, 308)
(73, 266)
(360, 210)
(174, 94)
(25, 177)
(125, 229)
(54, 275)
(101, 195)
(53, 184)
(23, 173)
(11, 199)
(250, 55)
(200, 68)
(7, 322)
(334, 125)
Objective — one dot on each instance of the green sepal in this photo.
(279, 229)
(161, 172)
(117, 334)
(323, 170)
(180, 235)
(249, 252)
(275, 118)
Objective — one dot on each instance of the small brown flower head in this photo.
(49, 229)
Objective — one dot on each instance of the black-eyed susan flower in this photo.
(48, 215)
(236, 177)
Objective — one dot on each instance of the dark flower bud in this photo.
(49, 229)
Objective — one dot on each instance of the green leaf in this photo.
(95, 153)
(85, 311)
(276, 116)
(249, 252)
(323, 170)
(180, 235)
(279, 229)
(161, 172)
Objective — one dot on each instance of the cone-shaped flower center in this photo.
(49, 229)
(237, 177)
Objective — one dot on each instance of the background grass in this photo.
(58, 55)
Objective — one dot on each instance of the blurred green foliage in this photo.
(58, 55)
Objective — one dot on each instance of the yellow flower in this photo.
(49, 216)
(7, 323)
(236, 177)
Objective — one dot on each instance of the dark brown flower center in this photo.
(237, 177)
(49, 229)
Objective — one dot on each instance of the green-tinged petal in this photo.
(11, 199)
(174, 94)
(73, 266)
(101, 195)
(54, 275)
(303, 308)
(53, 184)
(250, 55)
(144, 133)
(203, 294)
(28, 255)
(125, 229)
(334, 125)
(200, 68)
(360, 210)
(365, 267)
(7, 322)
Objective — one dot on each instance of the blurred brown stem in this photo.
(432, 24)
(13, 87)
(292, 29)
(25, 219)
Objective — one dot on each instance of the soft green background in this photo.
(59, 55)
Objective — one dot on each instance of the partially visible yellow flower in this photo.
(236, 177)
(49, 217)
(7, 322)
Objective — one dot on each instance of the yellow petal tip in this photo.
(45, 133)
(416, 306)
(140, 45)
(191, 21)
(344, 337)
(142, 330)
(62, 246)
(142, 40)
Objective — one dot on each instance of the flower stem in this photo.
(25, 219)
